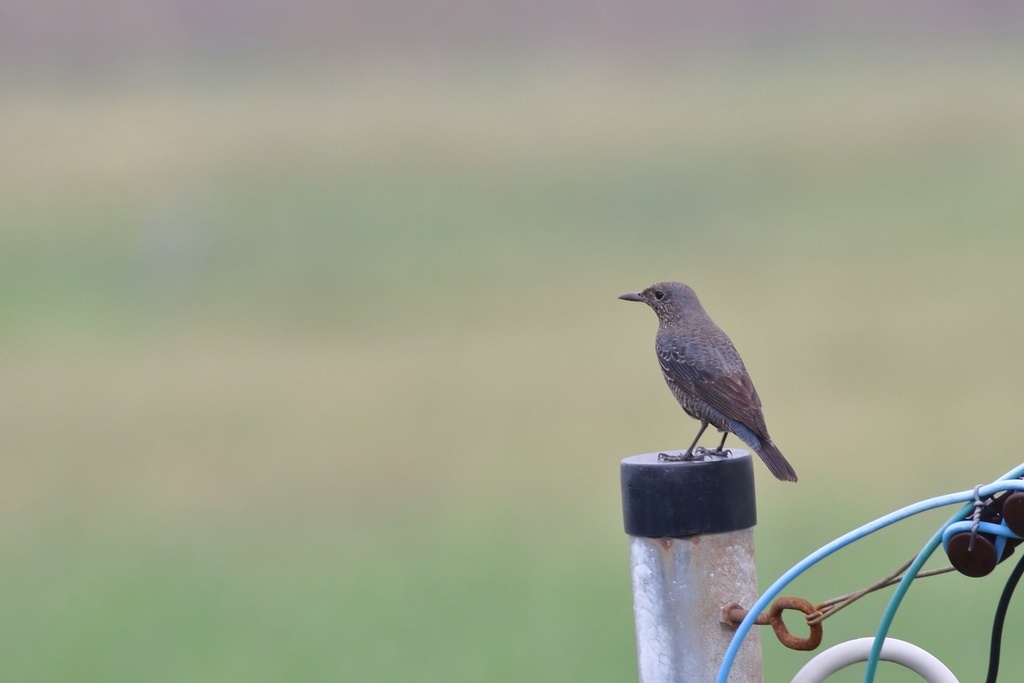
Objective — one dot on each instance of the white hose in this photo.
(899, 652)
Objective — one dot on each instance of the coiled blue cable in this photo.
(762, 602)
(1000, 531)
(1009, 481)
(846, 539)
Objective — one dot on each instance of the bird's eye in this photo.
(659, 295)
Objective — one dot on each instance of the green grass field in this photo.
(319, 373)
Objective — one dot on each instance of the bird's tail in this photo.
(772, 456)
(777, 464)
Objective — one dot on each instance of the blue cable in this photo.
(1010, 480)
(1000, 531)
(855, 535)
(818, 555)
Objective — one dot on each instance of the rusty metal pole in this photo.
(691, 542)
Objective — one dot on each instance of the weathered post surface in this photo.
(690, 525)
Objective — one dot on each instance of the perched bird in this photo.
(706, 374)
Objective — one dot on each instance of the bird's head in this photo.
(669, 300)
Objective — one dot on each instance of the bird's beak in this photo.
(632, 296)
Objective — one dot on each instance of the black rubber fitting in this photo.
(687, 498)
(1013, 512)
(975, 558)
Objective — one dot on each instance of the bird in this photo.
(706, 374)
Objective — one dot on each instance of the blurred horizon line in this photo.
(60, 34)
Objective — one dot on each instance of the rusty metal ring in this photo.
(813, 639)
(733, 614)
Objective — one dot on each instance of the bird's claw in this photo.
(676, 457)
(698, 453)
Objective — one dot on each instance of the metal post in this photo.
(692, 552)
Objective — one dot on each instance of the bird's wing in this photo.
(704, 373)
(736, 397)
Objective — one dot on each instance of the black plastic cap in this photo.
(1013, 512)
(675, 499)
(975, 558)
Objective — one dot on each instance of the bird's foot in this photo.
(677, 457)
(700, 452)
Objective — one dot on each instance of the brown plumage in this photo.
(706, 374)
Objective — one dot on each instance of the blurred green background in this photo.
(313, 367)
